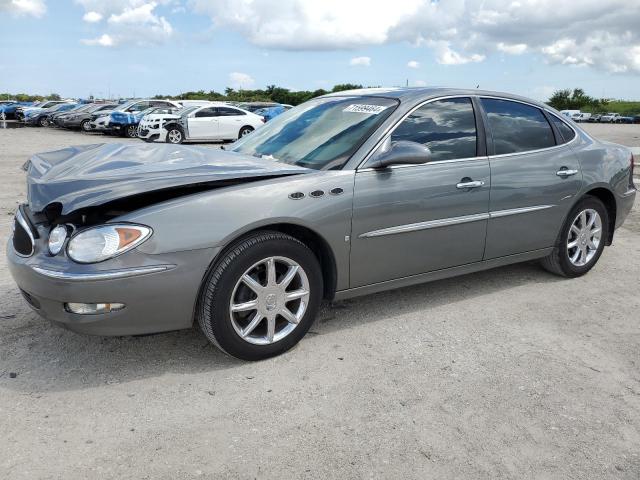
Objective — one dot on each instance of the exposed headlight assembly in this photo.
(106, 241)
(57, 238)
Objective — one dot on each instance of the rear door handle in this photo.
(472, 184)
(565, 172)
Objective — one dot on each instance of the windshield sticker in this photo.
(360, 108)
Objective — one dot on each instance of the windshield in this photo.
(183, 112)
(321, 134)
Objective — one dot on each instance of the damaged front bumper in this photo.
(158, 292)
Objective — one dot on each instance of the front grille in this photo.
(23, 242)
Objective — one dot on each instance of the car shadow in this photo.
(48, 358)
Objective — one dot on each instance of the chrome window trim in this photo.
(438, 162)
(445, 222)
(391, 128)
(23, 223)
(107, 275)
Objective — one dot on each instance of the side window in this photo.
(138, 107)
(207, 112)
(516, 127)
(229, 112)
(447, 127)
(565, 130)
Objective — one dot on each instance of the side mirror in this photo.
(402, 152)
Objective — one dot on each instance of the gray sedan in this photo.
(348, 194)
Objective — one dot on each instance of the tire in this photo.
(130, 131)
(42, 122)
(85, 125)
(560, 262)
(246, 130)
(175, 135)
(225, 284)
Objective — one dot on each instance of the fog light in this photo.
(92, 308)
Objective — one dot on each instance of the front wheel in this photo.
(581, 240)
(43, 122)
(261, 297)
(174, 135)
(85, 126)
(131, 131)
(245, 131)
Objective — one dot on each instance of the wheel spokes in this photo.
(255, 321)
(271, 272)
(289, 316)
(271, 328)
(296, 294)
(244, 307)
(289, 276)
(252, 284)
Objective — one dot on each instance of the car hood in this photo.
(91, 175)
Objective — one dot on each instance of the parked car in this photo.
(151, 127)
(22, 110)
(581, 117)
(610, 118)
(99, 121)
(124, 119)
(82, 119)
(40, 117)
(216, 122)
(269, 113)
(55, 119)
(349, 194)
(8, 108)
(595, 118)
(636, 119)
(624, 119)
(253, 106)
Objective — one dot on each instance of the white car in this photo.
(150, 127)
(214, 122)
(610, 118)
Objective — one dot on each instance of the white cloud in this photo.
(512, 49)
(92, 17)
(360, 61)
(603, 34)
(103, 40)
(420, 83)
(413, 64)
(34, 8)
(129, 22)
(241, 80)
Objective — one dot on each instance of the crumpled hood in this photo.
(91, 175)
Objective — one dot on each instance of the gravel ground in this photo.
(509, 373)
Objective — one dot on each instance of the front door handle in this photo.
(470, 184)
(564, 172)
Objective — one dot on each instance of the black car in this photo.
(636, 119)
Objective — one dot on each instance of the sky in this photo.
(126, 48)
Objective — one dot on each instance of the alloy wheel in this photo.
(174, 136)
(269, 300)
(584, 237)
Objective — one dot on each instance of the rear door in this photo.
(534, 177)
(412, 219)
(204, 124)
(230, 122)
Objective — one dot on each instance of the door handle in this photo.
(471, 184)
(565, 172)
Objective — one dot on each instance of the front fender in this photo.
(216, 217)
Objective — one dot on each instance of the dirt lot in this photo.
(510, 373)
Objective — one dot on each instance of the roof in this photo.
(410, 94)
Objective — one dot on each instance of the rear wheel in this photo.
(261, 296)
(581, 240)
(43, 122)
(245, 131)
(85, 126)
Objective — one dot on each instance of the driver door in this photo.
(413, 219)
(204, 124)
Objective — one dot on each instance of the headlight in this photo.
(56, 239)
(107, 241)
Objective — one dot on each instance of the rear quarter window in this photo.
(566, 132)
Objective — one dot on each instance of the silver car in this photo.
(348, 194)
